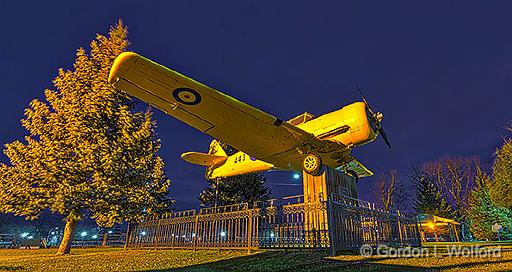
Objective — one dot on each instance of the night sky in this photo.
(440, 73)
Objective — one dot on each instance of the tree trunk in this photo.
(67, 237)
(105, 239)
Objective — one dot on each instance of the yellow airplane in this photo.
(264, 141)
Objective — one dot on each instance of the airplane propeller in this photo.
(377, 118)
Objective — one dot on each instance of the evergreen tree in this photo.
(483, 213)
(501, 189)
(87, 152)
(248, 188)
(429, 198)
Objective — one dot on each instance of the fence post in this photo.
(249, 231)
(330, 225)
(157, 234)
(127, 239)
(195, 234)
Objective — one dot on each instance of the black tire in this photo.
(353, 174)
(312, 164)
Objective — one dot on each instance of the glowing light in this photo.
(30, 237)
(94, 236)
(109, 232)
(25, 234)
(222, 234)
(143, 233)
(193, 235)
(296, 176)
(431, 225)
(53, 232)
(272, 235)
(83, 234)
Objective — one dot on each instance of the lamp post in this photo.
(216, 192)
(83, 234)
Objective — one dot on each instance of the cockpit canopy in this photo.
(301, 118)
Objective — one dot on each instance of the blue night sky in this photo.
(441, 73)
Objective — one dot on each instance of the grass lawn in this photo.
(115, 259)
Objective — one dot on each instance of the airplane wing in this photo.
(244, 127)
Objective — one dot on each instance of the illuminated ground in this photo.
(98, 259)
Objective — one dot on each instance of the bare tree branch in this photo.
(390, 192)
(455, 177)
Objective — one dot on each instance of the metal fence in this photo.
(17, 241)
(339, 223)
(356, 223)
(117, 239)
(7, 240)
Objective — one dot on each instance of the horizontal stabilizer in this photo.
(356, 167)
(203, 158)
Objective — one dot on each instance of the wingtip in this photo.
(185, 154)
(120, 63)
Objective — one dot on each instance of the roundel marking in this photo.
(187, 96)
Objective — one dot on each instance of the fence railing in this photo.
(358, 223)
(339, 223)
(6, 240)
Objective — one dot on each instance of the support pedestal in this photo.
(332, 181)
(317, 190)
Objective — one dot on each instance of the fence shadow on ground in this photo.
(289, 261)
(316, 261)
(11, 268)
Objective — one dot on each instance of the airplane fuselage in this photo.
(349, 126)
(237, 164)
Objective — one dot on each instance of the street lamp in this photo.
(83, 234)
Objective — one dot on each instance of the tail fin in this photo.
(216, 149)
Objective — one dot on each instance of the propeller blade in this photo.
(377, 118)
(384, 137)
(364, 100)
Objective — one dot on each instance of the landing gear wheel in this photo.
(312, 164)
